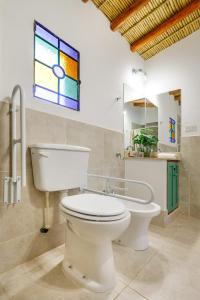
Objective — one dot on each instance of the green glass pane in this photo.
(69, 88)
(45, 53)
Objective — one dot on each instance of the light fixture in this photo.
(140, 74)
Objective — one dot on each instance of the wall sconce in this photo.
(140, 75)
(117, 99)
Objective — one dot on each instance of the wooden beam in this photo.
(176, 94)
(177, 98)
(194, 5)
(127, 13)
(142, 103)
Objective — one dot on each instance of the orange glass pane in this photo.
(69, 65)
(44, 77)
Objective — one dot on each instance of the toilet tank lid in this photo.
(60, 147)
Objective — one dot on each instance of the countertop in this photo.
(152, 158)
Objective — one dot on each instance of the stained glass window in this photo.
(56, 69)
(172, 130)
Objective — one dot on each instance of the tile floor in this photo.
(168, 270)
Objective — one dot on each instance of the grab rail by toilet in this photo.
(109, 192)
(13, 184)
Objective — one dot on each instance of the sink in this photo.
(169, 155)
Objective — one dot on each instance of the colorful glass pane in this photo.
(69, 50)
(46, 35)
(69, 102)
(172, 130)
(69, 88)
(69, 65)
(45, 77)
(46, 94)
(56, 69)
(45, 53)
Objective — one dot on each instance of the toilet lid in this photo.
(94, 205)
(91, 218)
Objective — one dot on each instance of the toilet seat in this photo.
(94, 207)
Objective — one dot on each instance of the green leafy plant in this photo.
(145, 140)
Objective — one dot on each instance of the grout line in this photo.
(139, 271)
(139, 293)
(115, 298)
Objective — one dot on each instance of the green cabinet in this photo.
(172, 186)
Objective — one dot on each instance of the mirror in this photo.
(159, 115)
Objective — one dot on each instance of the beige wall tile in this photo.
(24, 247)
(20, 224)
(189, 175)
(44, 128)
(4, 137)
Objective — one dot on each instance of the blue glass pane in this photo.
(46, 35)
(69, 88)
(69, 51)
(69, 103)
(42, 93)
(58, 71)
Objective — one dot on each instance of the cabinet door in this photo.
(170, 182)
(172, 186)
(175, 185)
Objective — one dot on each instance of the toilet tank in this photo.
(59, 167)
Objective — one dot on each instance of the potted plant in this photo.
(146, 141)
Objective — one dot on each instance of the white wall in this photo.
(178, 67)
(151, 114)
(106, 60)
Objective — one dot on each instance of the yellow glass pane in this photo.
(45, 77)
(69, 65)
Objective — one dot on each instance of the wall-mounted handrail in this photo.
(22, 138)
(108, 192)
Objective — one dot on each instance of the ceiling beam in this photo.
(166, 25)
(127, 13)
(176, 94)
(142, 103)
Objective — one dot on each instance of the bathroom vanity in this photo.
(153, 123)
(163, 175)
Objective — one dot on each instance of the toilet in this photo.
(92, 221)
(136, 235)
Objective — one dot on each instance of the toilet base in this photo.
(136, 235)
(79, 278)
(89, 263)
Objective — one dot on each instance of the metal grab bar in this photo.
(12, 185)
(109, 193)
(22, 139)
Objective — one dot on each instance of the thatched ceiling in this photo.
(151, 25)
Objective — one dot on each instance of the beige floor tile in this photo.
(166, 278)
(3, 295)
(168, 270)
(129, 294)
(54, 285)
(129, 262)
(42, 278)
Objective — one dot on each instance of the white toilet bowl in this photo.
(136, 235)
(92, 222)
